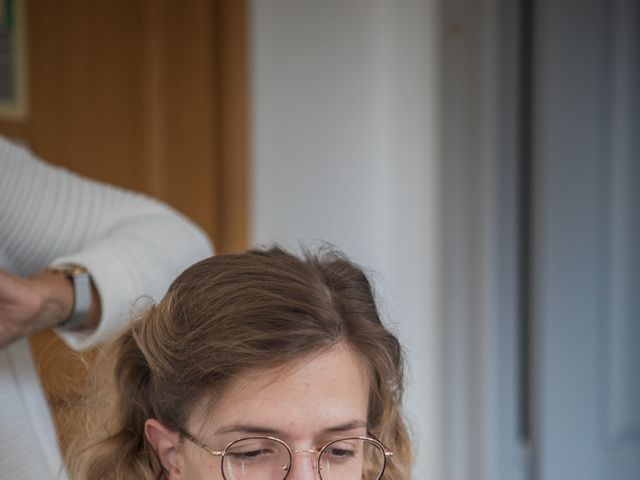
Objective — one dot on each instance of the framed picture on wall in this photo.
(13, 78)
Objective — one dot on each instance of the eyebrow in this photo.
(260, 430)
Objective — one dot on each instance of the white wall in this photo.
(345, 149)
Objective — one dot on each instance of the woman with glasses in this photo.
(254, 366)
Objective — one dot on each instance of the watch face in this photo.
(75, 270)
(70, 270)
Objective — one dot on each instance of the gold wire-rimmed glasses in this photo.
(269, 458)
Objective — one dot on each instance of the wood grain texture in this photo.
(234, 134)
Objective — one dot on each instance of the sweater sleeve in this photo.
(132, 245)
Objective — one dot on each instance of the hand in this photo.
(29, 305)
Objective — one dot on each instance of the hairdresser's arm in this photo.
(132, 245)
(40, 302)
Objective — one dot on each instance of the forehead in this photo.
(303, 399)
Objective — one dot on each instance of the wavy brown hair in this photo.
(224, 316)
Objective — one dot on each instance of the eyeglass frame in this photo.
(221, 453)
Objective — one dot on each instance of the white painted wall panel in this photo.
(345, 149)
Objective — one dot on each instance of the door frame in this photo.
(485, 169)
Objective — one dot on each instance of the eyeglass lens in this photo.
(268, 459)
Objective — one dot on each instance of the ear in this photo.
(165, 444)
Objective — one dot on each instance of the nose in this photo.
(304, 467)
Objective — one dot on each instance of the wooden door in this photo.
(146, 94)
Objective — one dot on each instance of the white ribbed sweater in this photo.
(132, 245)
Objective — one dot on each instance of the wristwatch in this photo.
(81, 280)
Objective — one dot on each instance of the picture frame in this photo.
(13, 68)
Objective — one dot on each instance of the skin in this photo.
(42, 301)
(310, 403)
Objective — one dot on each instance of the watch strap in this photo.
(81, 280)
